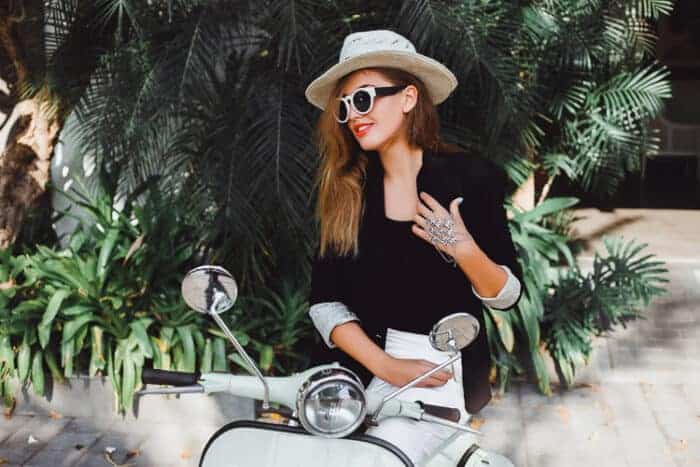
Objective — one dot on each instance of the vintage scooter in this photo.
(328, 403)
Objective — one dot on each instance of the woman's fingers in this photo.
(423, 210)
(432, 203)
(432, 383)
(420, 220)
(436, 379)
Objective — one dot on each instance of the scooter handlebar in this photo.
(172, 378)
(447, 413)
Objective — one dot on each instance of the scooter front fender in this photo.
(257, 444)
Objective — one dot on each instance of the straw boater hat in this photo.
(387, 49)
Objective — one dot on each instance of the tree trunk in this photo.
(25, 163)
(524, 196)
(35, 112)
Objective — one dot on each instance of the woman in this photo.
(411, 229)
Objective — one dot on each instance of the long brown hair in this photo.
(343, 164)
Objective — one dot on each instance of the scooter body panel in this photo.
(256, 444)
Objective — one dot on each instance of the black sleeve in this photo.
(327, 305)
(326, 279)
(498, 243)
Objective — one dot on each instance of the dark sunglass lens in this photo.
(342, 110)
(362, 101)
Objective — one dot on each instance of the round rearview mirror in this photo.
(209, 289)
(454, 332)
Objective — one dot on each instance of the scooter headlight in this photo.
(331, 403)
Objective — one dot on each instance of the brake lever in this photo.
(457, 426)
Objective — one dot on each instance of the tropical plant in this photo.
(561, 312)
(111, 301)
(582, 306)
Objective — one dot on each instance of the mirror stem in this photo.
(242, 352)
(413, 382)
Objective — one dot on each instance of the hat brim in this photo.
(437, 78)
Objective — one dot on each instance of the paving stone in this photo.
(692, 393)
(65, 449)
(10, 425)
(177, 445)
(17, 449)
(122, 442)
(504, 431)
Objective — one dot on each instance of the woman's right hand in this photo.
(399, 371)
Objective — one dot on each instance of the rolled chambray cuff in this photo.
(508, 294)
(328, 315)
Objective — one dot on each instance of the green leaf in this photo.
(267, 355)
(207, 357)
(97, 357)
(38, 373)
(541, 372)
(105, 254)
(157, 359)
(198, 339)
(29, 305)
(7, 355)
(67, 355)
(188, 352)
(140, 333)
(237, 359)
(505, 328)
(219, 363)
(114, 375)
(546, 207)
(565, 371)
(70, 328)
(44, 329)
(76, 310)
(23, 360)
(128, 383)
(7, 392)
(55, 370)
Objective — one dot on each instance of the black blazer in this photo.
(399, 280)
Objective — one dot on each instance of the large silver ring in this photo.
(441, 230)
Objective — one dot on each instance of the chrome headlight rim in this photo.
(324, 377)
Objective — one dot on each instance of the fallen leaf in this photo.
(476, 422)
(591, 386)
(3, 461)
(55, 415)
(185, 454)
(563, 413)
(108, 458)
(608, 413)
(681, 445)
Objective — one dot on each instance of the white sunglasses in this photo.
(362, 100)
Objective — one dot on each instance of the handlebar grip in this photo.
(173, 378)
(447, 413)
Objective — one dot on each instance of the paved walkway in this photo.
(636, 405)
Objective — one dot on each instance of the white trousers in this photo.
(418, 439)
